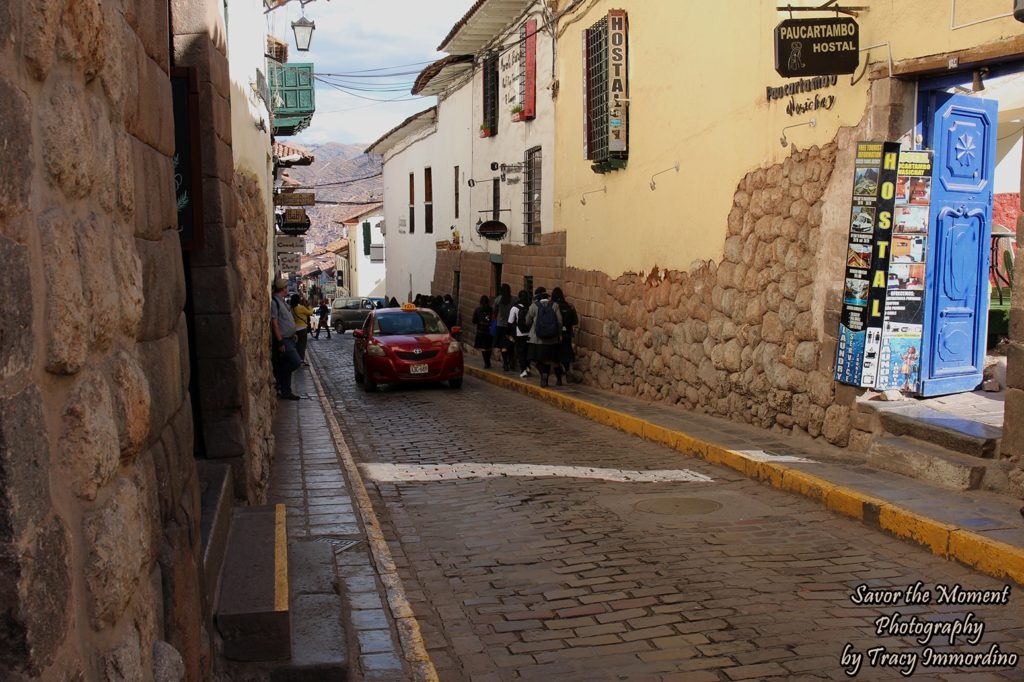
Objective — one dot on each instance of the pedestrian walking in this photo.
(521, 332)
(286, 359)
(484, 340)
(323, 313)
(502, 306)
(449, 312)
(301, 313)
(545, 320)
(566, 352)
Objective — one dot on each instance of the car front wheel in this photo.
(455, 383)
(359, 375)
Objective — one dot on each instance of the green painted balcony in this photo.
(292, 97)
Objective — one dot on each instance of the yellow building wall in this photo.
(697, 77)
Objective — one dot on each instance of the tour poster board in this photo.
(867, 263)
(903, 323)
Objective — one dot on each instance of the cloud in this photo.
(357, 36)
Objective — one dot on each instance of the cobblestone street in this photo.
(534, 544)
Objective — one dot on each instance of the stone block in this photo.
(1012, 444)
(18, 349)
(68, 152)
(16, 138)
(80, 40)
(1015, 364)
(161, 361)
(163, 285)
(224, 433)
(65, 315)
(155, 209)
(131, 392)
(219, 334)
(215, 110)
(36, 593)
(217, 159)
(97, 267)
(152, 25)
(836, 427)
(214, 290)
(117, 543)
(220, 381)
(124, 663)
(118, 76)
(167, 663)
(90, 452)
(39, 30)
(152, 119)
(24, 464)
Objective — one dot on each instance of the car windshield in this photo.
(410, 322)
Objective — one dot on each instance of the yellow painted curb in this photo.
(989, 556)
(280, 558)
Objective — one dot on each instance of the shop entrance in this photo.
(973, 122)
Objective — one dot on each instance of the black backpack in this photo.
(546, 321)
(521, 324)
(569, 316)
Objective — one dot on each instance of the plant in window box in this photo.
(517, 113)
(485, 130)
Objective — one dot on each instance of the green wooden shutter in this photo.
(366, 239)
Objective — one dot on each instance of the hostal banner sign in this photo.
(816, 47)
(618, 83)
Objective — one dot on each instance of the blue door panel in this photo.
(963, 135)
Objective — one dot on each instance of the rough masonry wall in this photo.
(741, 338)
(99, 535)
(258, 400)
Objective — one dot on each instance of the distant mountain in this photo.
(332, 173)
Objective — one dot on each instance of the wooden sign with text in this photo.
(295, 199)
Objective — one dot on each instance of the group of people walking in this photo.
(527, 332)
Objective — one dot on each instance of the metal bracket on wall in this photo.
(888, 49)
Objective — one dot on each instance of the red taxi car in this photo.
(407, 344)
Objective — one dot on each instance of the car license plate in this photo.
(418, 369)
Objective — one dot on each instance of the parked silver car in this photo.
(350, 313)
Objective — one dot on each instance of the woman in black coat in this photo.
(482, 319)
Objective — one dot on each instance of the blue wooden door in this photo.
(963, 135)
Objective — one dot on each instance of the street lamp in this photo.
(303, 29)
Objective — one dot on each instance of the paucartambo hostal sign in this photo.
(817, 47)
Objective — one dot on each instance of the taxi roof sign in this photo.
(407, 307)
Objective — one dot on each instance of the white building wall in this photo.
(250, 146)
(367, 275)
(455, 141)
(513, 139)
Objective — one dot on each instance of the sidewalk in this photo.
(976, 528)
(336, 552)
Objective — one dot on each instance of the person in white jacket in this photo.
(521, 332)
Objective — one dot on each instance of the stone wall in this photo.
(258, 401)
(743, 337)
(99, 535)
(1013, 422)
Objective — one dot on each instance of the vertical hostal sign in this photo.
(618, 81)
(867, 263)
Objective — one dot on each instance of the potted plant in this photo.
(517, 112)
(485, 130)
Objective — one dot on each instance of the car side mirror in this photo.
(456, 331)
(358, 334)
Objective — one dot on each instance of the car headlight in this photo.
(454, 347)
(375, 350)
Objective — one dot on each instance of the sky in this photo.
(354, 36)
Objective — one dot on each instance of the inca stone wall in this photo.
(99, 535)
(742, 338)
(258, 401)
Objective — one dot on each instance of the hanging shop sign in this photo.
(294, 199)
(618, 81)
(492, 229)
(288, 244)
(817, 47)
(867, 263)
(288, 262)
(903, 322)
(294, 221)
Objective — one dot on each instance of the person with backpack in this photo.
(521, 331)
(545, 320)
(566, 353)
(449, 312)
(502, 308)
(482, 319)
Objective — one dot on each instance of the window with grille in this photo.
(456, 192)
(491, 94)
(428, 201)
(412, 203)
(605, 71)
(531, 196)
